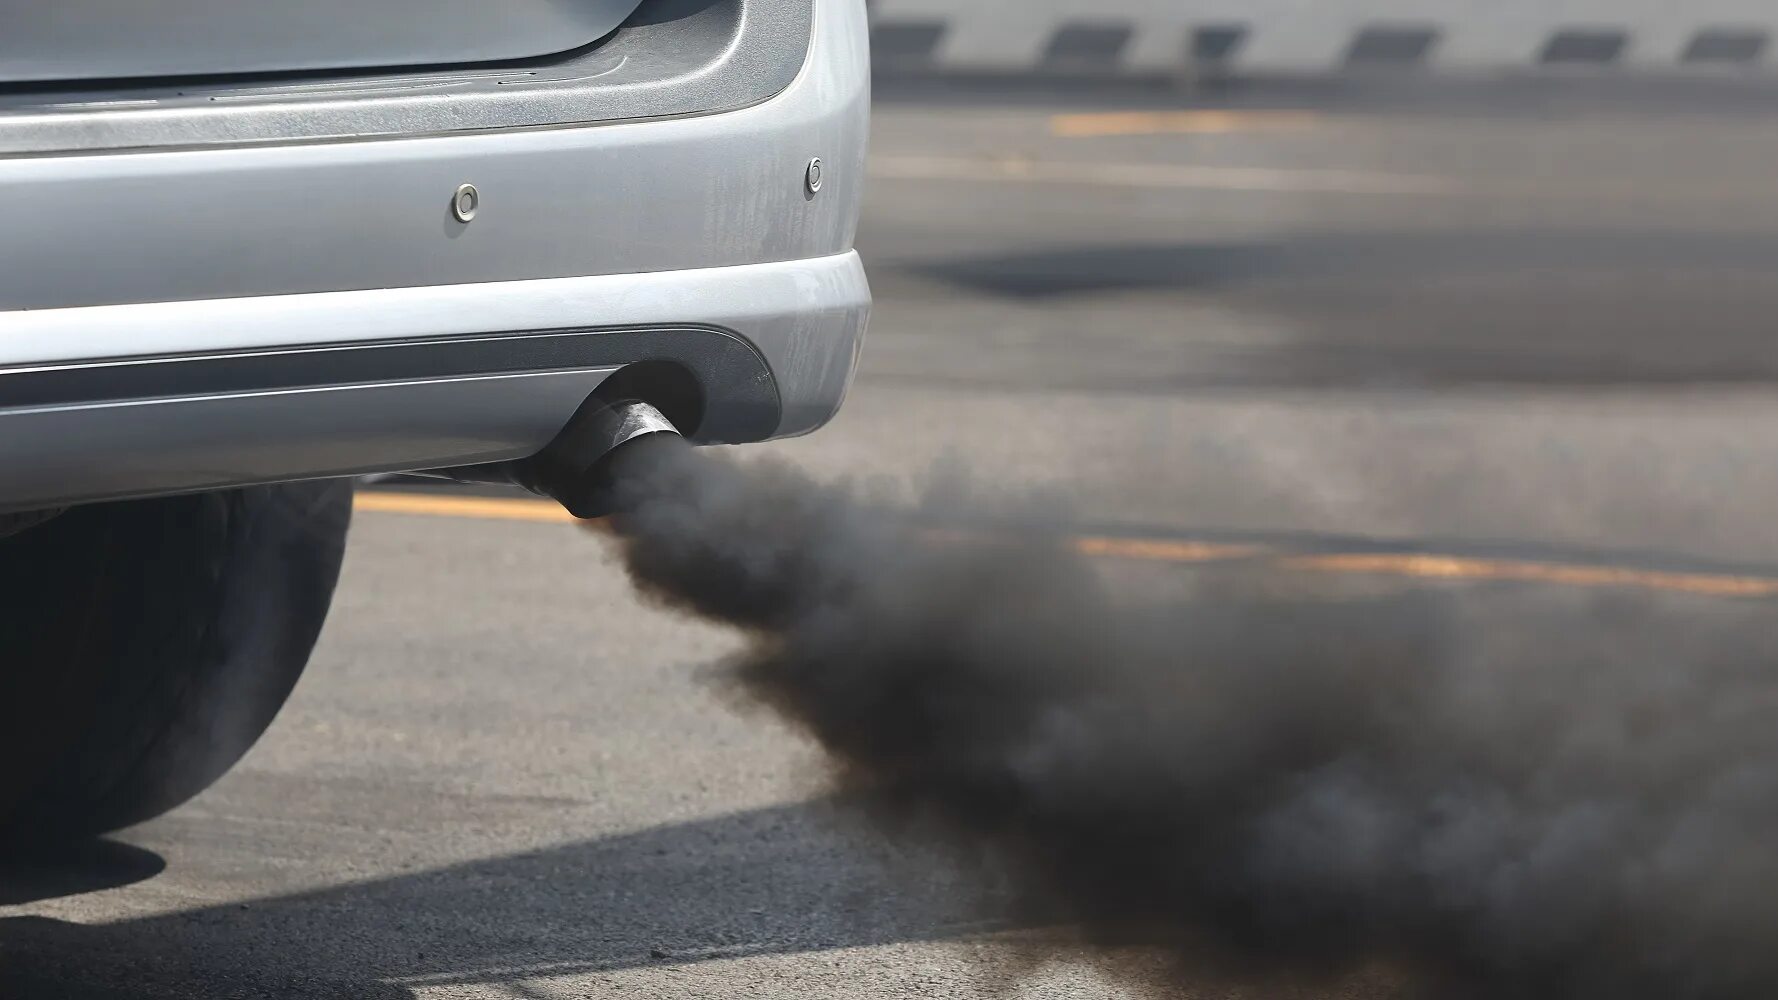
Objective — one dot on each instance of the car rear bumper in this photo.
(340, 383)
(198, 318)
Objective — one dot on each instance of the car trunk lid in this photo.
(60, 40)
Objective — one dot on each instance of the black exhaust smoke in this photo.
(1308, 792)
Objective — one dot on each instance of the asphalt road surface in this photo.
(1517, 346)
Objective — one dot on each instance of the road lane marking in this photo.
(1445, 567)
(1017, 169)
(1419, 565)
(1161, 550)
(550, 512)
(1091, 125)
(482, 508)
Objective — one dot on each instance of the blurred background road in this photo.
(1512, 340)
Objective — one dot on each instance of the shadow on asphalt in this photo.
(1376, 310)
(781, 880)
(1392, 257)
(32, 873)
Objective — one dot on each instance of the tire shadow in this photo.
(30, 873)
(798, 878)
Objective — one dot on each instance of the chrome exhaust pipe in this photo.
(576, 468)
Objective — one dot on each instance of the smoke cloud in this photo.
(1269, 789)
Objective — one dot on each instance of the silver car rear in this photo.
(238, 279)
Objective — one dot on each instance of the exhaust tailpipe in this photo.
(576, 468)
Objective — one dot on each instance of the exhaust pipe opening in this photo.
(577, 468)
(667, 386)
(641, 401)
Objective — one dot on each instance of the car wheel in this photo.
(145, 646)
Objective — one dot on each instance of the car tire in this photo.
(145, 646)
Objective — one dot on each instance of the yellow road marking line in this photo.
(1109, 547)
(1157, 175)
(1203, 122)
(488, 508)
(1432, 566)
(1161, 550)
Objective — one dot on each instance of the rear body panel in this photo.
(671, 58)
(146, 273)
(703, 191)
(110, 39)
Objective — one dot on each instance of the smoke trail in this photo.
(1314, 789)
